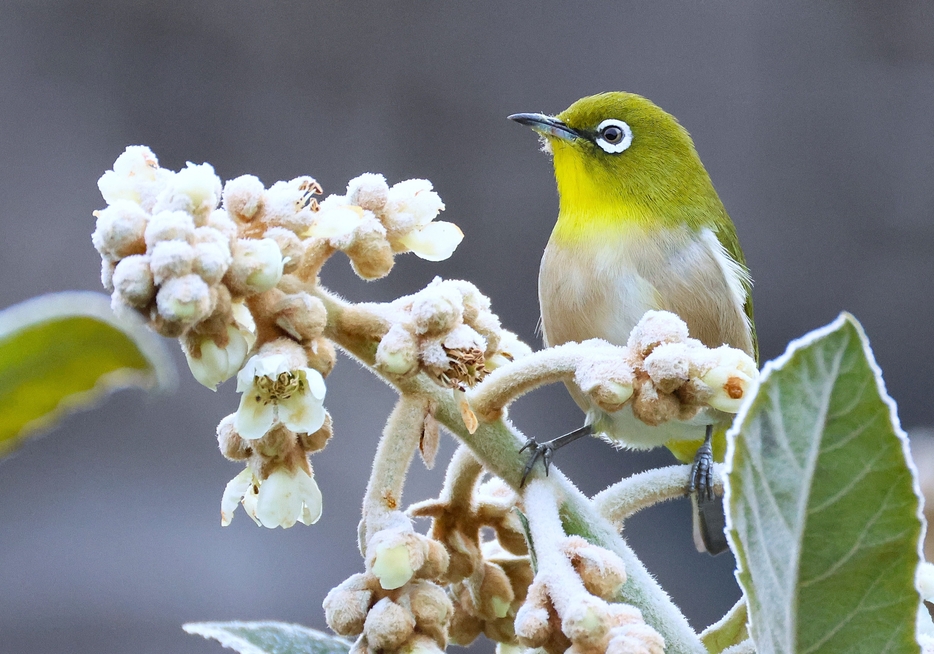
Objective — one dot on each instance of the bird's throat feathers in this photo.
(602, 202)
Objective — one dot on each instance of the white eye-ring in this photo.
(614, 136)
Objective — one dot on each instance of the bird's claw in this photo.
(543, 451)
(702, 473)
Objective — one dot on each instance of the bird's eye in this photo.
(613, 136)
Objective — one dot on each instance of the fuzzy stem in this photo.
(645, 489)
(497, 445)
(393, 455)
(462, 474)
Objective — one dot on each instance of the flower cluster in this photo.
(372, 221)
(572, 602)
(231, 270)
(661, 373)
(396, 604)
(487, 580)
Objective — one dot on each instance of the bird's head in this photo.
(619, 157)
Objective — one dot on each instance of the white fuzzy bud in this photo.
(243, 197)
(169, 259)
(669, 365)
(256, 266)
(655, 328)
(194, 189)
(132, 279)
(397, 353)
(120, 229)
(211, 261)
(184, 299)
(388, 626)
(135, 177)
(222, 222)
(169, 226)
(368, 191)
(289, 244)
(731, 380)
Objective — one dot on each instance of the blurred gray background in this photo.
(815, 120)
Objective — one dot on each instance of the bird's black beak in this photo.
(546, 126)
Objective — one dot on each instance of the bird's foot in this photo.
(543, 451)
(702, 471)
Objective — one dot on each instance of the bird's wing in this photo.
(726, 235)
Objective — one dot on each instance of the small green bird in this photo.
(640, 227)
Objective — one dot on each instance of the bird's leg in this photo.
(710, 519)
(702, 469)
(545, 451)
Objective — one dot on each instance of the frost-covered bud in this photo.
(169, 226)
(611, 395)
(636, 637)
(293, 250)
(213, 363)
(132, 279)
(496, 594)
(368, 191)
(321, 355)
(655, 328)
(211, 261)
(302, 316)
(388, 625)
(397, 353)
(436, 310)
(432, 609)
(243, 197)
(587, 621)
(346, 606)
(651, 407)
(336, 221)
(186, 300)
(669, 366)
(169, 259)
(222, 222)
(533, 620)
(120, 229)
(256, 266)
(731, 380)
(194, 189)
(370, 254)
(290, 205)
(601, 570)
(136, 177)
(413, 203)
(510, 349)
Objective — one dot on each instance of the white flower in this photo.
(216, 364)
(272, 392)
(281, 500)
(285, 498)
(411, 208)
(732, 379)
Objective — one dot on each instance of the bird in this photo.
(640, 227)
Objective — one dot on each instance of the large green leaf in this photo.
(822, 502)
(269, 637)
(63, 352)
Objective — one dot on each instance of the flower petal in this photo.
(302, 412)
(433, 242)
(311, 498)
(280, 500)
(315, 382)
(233, 493)
(254, 416)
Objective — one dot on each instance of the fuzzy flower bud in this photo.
(655, 328)
(120, 229)
(292, 248)
(302, 316)
(368, 191)
(397, 353)
(132, 280)
(243, 197)
(136, 177)
(388, 625)
(392, 565)
(669, 366)
(211, 260)
(346, 606)
(169, 259)
(184, 299)
(194, 189)
(256, 266)
(733, 378)
(214, 364)
(290, 205)
(169, 226)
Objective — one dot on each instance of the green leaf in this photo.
(727, 631)
(65, 351)
(823, 509)
(269, 637)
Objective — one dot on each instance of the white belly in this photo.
(603, 290)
